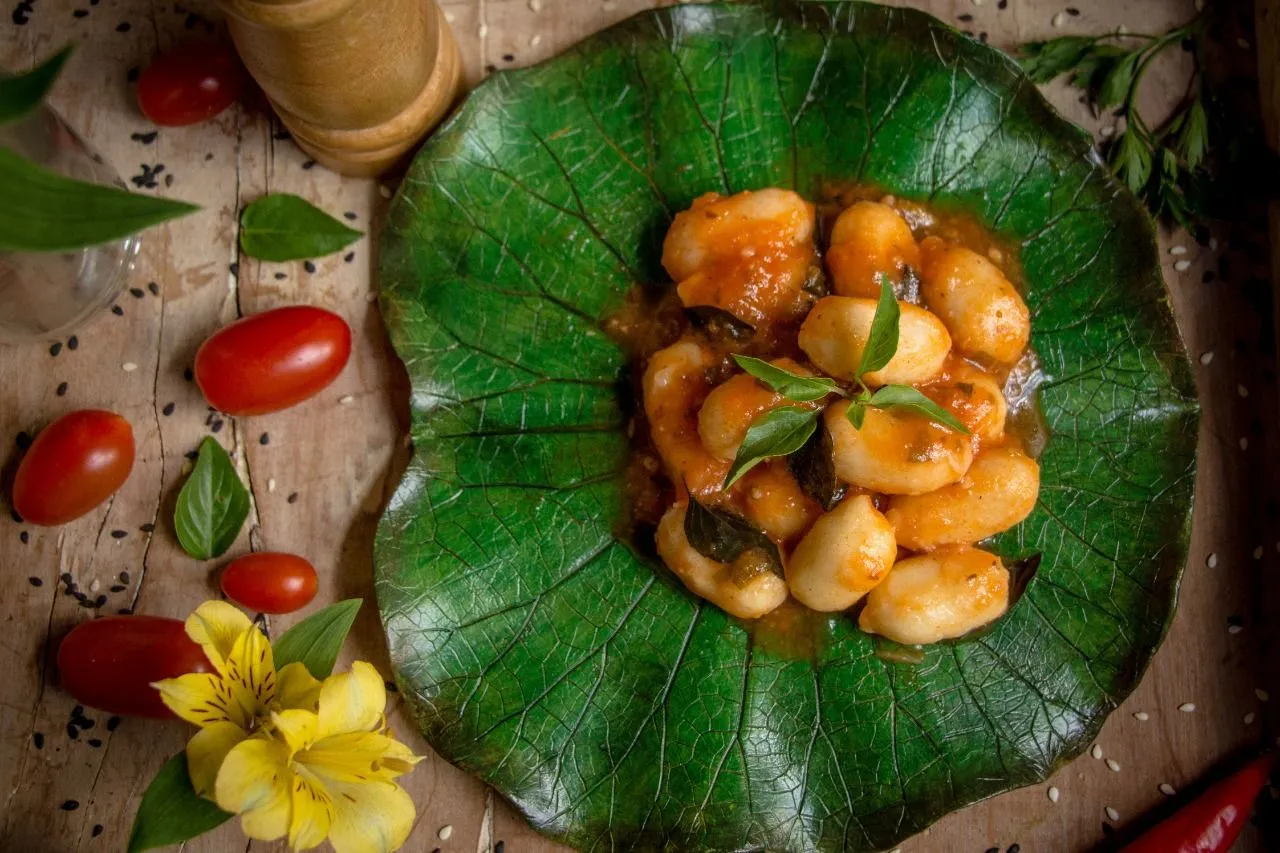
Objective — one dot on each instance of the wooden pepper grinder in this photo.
(357, 82)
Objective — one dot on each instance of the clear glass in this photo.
(47, 294)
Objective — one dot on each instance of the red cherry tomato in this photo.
(270, 582)
(110, 663)
(273, 360)
(75, 463)
(192, 83)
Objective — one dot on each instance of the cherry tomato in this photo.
(273, 360)
(75, 463)
(110, 663)
(270, 582)
(192, 83)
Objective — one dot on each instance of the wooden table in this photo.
(319, 472)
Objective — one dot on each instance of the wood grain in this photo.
(337, 453)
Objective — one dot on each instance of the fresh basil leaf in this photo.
(723, 536)
(778, 432)
(286, 227)
(24, 92)
(1193, 135)
(793, 386)
(317, 640)
(42, 211)
(171, 812)
(1044, 60)
(212, 505)
(894, 652)
(882, 340)
(719, 323)
(1118, 81)
(906, 397)
(1131, 161)
(856, 413)
(814, 468)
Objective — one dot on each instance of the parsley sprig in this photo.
(785, 429)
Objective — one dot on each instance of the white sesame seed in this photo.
(1096, 752)
(371, 296)
(1211, 561)
(1244, 443)
(1234, 629)
(1054, 793)
(1178, 250)
(1257, 553)
(95, 586)
(1112, 814)
(1187, 707)
(1107, 131)
(445, 832)
(535, 39)
(448, 16)
(271, 484)
(1182, 266)
(535, 6)
(1113, 765)
(979, 2)
(1141, 716)
(1059, 19)
(1242, 44)
(1263, 696)
(346, 400)
(482, 32)
(128, 367)
(384, 190)
(1122, 30)
(1242, 390)
(1249, 718)
(1167, 789)
(1206, 357)
(1213, 244)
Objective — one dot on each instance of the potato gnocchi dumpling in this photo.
(867, 494)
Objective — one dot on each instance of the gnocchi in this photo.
(897, 453)
(835, 333)
(938, 596)
(869, 239)
(843, 556)
(985, 315)
(773, 501)
(976, 400)
(675, 384)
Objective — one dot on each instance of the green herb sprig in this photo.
(1165, 165)
(785, 429)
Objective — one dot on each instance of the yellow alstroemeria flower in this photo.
(326, 773)
(237, 700)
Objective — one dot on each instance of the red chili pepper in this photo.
(1211, 822)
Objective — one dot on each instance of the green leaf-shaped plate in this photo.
(538, 651)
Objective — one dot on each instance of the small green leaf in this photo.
(316, 640)
(1193, 135)
(1131, 161)
(1045, 60)
(813, 466)
(42, 211)
(793, 386)
(882, 341)
(856, 413)
(1092, 69)
(171, 812)
(212, 505)
(286, 227)
(22, 93)
(778, 432)
(1118, 81)
(722, 536)
(906, 397)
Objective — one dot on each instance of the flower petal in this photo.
(352, 701)
(251, 671)
(358, 757)
(255, 782)
(313, 813)
(215, 626)
(202, 698)
(296, 687)
(206, 751)
(297, 727)
(370, 817)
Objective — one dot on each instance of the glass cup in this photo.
(45, 295)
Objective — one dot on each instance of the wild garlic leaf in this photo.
(316, 641)
(882, 341)
(778, 432)
(286, 227)
(906, 397)
(22, 93)
(212, 505)
(793, 386)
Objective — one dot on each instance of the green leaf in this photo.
(1131, 160)
(317, 640)
(793, 386)
(286, 227)
(906, 397)
(542, 648)
(22, 93)
(42, 211)
(882, 341)
(814, 468)
(1093, 67)
(171, 812)
(722, 536)
(856, 413)
(212, 504)
(1118, 81)
(778, 432)
(1193, 134)
(1045, 60)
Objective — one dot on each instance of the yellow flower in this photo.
(238, 699)
(326, 773)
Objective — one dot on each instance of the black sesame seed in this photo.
(118, 587)
(22, 440)
(993, 850)
(293, 497)
(80, 13)
(22, 12)
(208, 156)
(35, 581)
(215, 427)
(349, 257)
(96, 742)
(132, 76)
(112, 722)
(168, 180)
(70, 805)
(188, 374)
(37, 738)
(73, 343)
(136, 292)
(125, 611)
(96, 831)
(168, 409)
(309, 266)
(100, 601)
(350, 215)
(982, 37)
(1003, 4)
(54, 349)
(508, 57)
(69, 591)
(154, 287)
(117, 310)
(24, 537)
(280, 276)
(1075, 13)
(62, 389)
(235, 269)
(264, 439)
(192, 455)
(391, 686)
(119, 534)
(145, 528)
(308, 164)
(965, 18)
(500, 847)
(72, 731)
(124, 577)
(1014, 848)
(144, 138)
(66, 578)
(123, 27)
(13, 513)
(86, 602)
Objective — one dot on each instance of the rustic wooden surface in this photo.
(336, 451)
